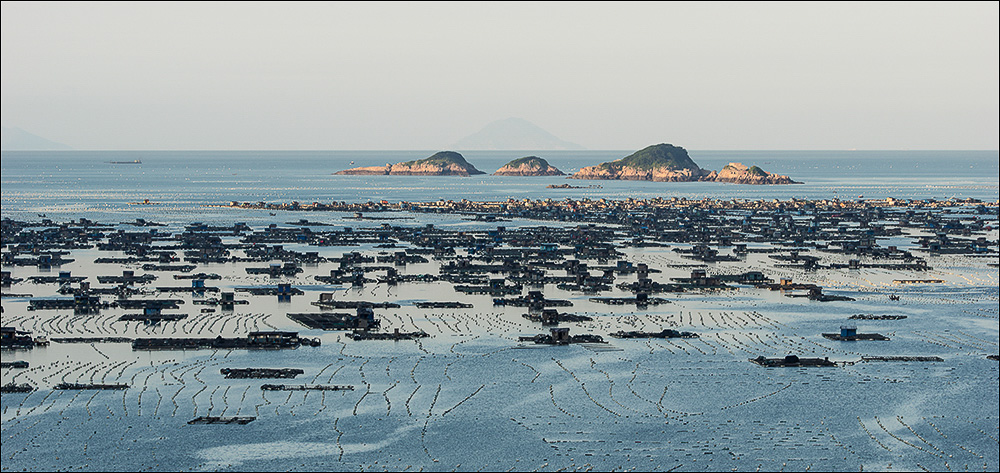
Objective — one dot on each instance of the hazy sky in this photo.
(121, 75)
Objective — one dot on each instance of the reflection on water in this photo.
(470, 396)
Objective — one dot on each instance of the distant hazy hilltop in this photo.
(16, 139)
(513, 134)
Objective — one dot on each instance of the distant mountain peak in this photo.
(513, 134)
(16, 139)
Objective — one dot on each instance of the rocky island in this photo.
(443, 163)
(529, 166)
(662, 162)
(669, 163)
(739, 173)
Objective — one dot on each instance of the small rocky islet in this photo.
(444, 163)
(529, 166)
(661, 162)
(738, 173)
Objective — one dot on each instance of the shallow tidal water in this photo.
(471, 397)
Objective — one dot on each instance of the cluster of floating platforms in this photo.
(641, 300)
(553, 317)
(561, 336)
(527, 266)
(816, 294)
(203, 276)
(442, 305)
(855, 338)
(394, 335)
(193, 289)
(280, 290)
(289, 269)
(306, 387)
(89, 386)
(152, 318)
(239, 420)
(61, 279)
(850, 334)
(92, 340)
(584, 288)
(260, 373)
(227, 302)
(363, 320)
(80, 303)
(650, 287)
(13, 339)
(128, 278)
(903, 358)
(255, 340)
(876, 317)
(792, 361)
(16, 388)
(326, 301)
(666, 333)
(183, 268)
(534, 299)
(160, 304)
(492, 290)
(87, 302)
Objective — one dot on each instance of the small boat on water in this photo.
(144, 202)
(137, 161)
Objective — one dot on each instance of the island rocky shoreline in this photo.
(669, 163)
(444, 163)
(660, 163)
(529, 166)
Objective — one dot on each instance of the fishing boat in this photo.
(137, 161)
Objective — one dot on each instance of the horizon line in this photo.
(466, 150)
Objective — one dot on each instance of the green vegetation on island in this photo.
(663, 155)
(442, 158)
(669, 163)
(443, 163)
(533, 162)
(528, 166)
(752, 170)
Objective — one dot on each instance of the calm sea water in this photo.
(466, 398)
(84, 182)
